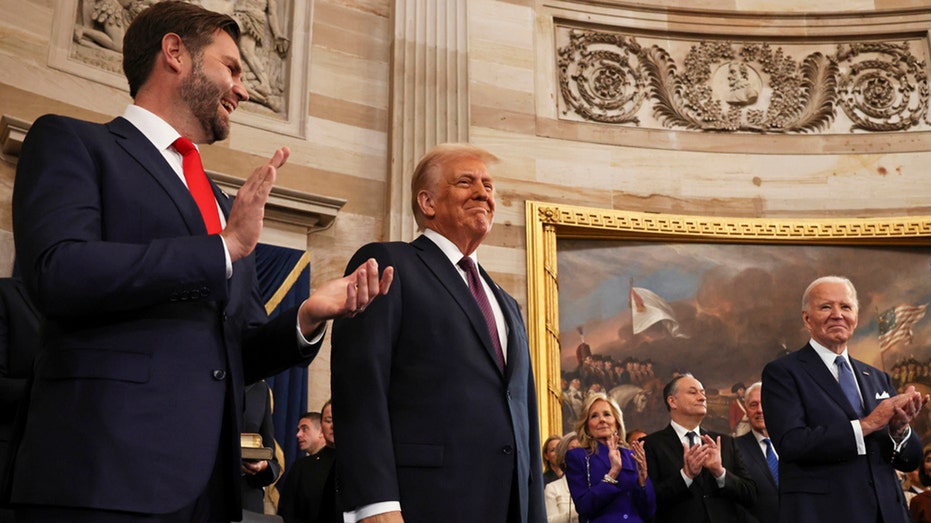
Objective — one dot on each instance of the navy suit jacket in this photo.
(423, 415)
(766, 508)
(19, 341)
(147, 344)
(821, 476)
(702, 500)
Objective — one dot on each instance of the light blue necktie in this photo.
(772, 460)
(849, 384)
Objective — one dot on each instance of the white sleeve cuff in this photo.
(368, 511)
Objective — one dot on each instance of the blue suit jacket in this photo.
(147, 342)
(423, 415)
(606, 502)
(821, 477)
(766, 507)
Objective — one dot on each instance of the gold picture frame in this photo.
(549, 223)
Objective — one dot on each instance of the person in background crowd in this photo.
(551, 472)
(258, 474)
(559, 506)
(915, 481)
(635, 435)
(307, 493)
(326, 424)
(699, 476)
(919, 506)
(760, 459)
(608, 481)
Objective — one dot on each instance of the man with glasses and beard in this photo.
(143, 269)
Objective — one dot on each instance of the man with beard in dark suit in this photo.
(145, 275)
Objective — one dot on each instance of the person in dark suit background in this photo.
(258, 474)
(835, 463)
(308, 490)
(753, 448)
(432, 425)
(698, 475)
(19, 342)
(153, 324)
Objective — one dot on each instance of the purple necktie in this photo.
(478, 292)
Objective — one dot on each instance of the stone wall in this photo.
(491, 77)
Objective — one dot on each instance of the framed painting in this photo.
(622, 301)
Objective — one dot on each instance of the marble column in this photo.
(429, 94)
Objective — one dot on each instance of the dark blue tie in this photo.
(849, 384)
(691, 436)
(772, 460)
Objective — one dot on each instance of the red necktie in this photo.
(478, 292)
(198, 184)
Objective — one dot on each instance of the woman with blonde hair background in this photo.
(607, 480)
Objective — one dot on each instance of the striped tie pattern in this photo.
(478, 292)
(772, 460)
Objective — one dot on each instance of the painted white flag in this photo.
(649, 309)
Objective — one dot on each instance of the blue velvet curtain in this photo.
(284, 280)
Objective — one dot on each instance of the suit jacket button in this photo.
(219, 374)
(507, 449)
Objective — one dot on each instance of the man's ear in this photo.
(173, 51)
(426, 203)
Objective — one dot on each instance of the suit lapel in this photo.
(869, 385)
(756, 457)
(449, 277)
(673, 446)
(151, 160)
(822, 377)
(511, 315)
(226, 203)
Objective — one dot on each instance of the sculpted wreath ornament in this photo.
(751, 87)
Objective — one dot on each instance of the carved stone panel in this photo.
(742, 85)
(87, 41)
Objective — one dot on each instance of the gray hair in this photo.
(806, 296)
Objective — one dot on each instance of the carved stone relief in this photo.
(732, 86)
(95, 29)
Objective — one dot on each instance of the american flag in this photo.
(895, 324)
